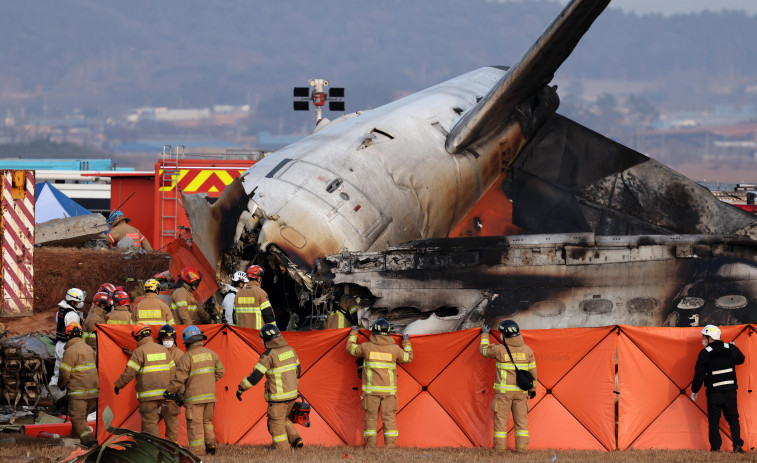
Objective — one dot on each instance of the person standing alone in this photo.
(716, 368)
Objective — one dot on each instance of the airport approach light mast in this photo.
(303, 95)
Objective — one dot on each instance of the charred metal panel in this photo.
(618, 189)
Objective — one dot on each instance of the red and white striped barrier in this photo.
(17, 228)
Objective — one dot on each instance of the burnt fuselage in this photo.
(555, 281)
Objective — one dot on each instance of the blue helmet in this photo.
(192, 334)
(116, 216)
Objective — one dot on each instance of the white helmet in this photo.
(75, 297)
(239, 276)
(711, 331)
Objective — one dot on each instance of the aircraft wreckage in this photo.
(474, 200)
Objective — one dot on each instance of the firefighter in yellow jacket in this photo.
(78, 375)
(102, 304)
(381, 355)
(121, 313)
(281, 367)
(119, 229)
(184, 306)
(345, 314)
(152, 310)
(152, 366)
(508, 395)
(170, 409)
(252, 309)
(195, 379)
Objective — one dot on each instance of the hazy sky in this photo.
(667, 7)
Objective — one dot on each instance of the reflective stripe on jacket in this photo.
(152, 311)
(340, 318)
(522, 354)
(78, 373)
(96, 315)
(124, 230)
(249, 304)
(120, 315)
(381, 355)
(185, 308)
(196, 375)
(153, 367)
(281, 366)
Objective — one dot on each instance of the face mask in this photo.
(79, 305)
(704, 342)
(168, 343)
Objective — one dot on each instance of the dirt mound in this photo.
(57, 269)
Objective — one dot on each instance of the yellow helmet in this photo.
(152, 285)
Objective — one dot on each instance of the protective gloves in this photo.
(485, 329)
(115, 389)
(239, 394)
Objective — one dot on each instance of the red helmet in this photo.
(121, 297)
(255, 271)
(190, 275)
(140, 330)
(102, 299)
(106, 288)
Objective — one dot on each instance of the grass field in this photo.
(49, 451)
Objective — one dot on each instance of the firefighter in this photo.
(716, 368)
(252, 309)
(120, 315)
(120, 229)
(186, 310)
(381, 355)
(152, 310)
(153, 367)
(78, 375)
(345, 314)
(281, 367)
(238, 280)
(68, 312)
(170, 409)
(102, 303)
(507, 394)
(196, 374)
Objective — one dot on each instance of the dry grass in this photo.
(27, 447)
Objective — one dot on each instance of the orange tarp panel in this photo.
(445, 394)
(552, 426)
(184, 253)
(747, 379)
(655, 370)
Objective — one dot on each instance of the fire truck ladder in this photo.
(169, 193)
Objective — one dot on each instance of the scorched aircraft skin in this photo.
(416, 169)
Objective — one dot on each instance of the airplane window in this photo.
(691, 303)
(735, 301)
(595, 306)
(549, 308)
(646, 305)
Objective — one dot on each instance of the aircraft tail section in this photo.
(534, 70)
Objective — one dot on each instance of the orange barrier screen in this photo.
(445, 393)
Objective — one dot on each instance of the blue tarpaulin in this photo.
(51, 204)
